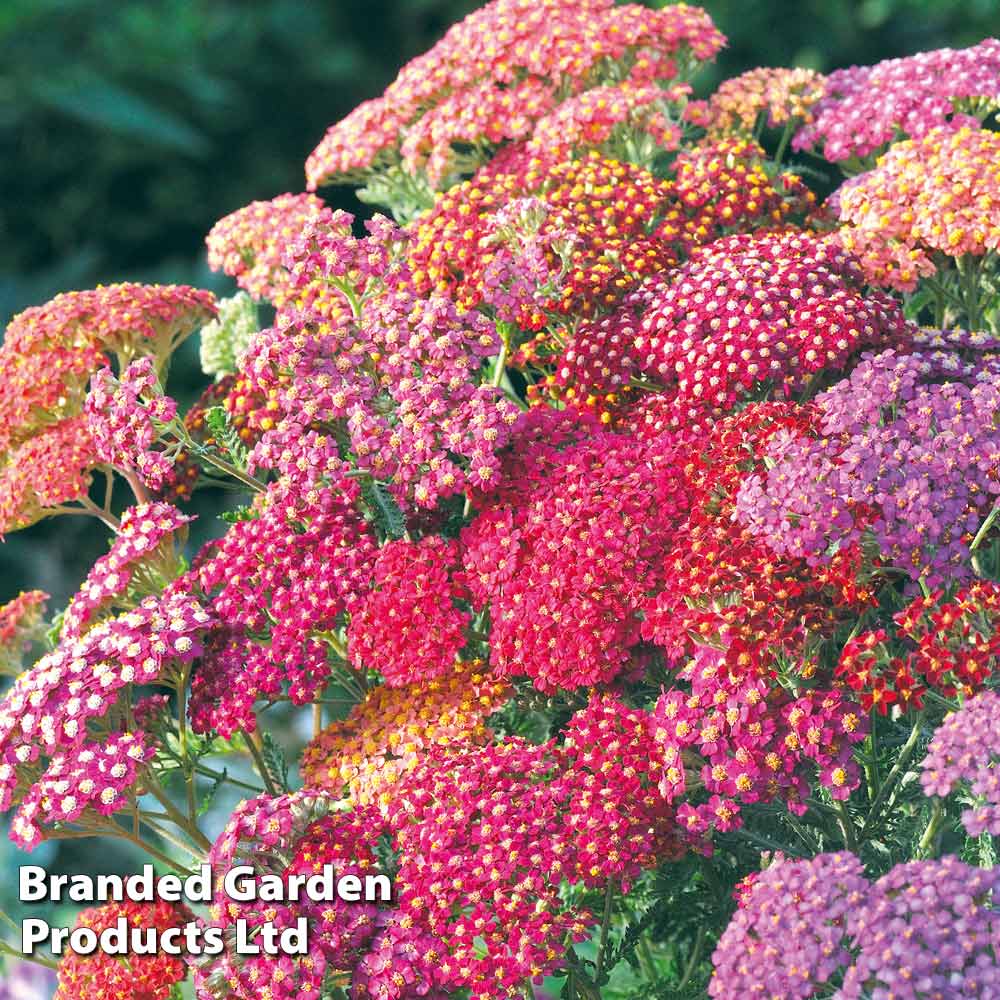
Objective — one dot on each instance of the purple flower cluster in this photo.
(913, 464)
(926, 929)
(789, 936)
(965, 750)
(864, 108)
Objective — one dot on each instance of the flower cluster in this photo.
(950, 646)
(409, 626)
(927, 197)
(784, 96)
(802, 924)
(964, 752)
(227, 336)
(864, 108)
(143, 558)
(105, 977)
(292, 835)
(124, 418)
(94, 776)
(909, 464)
(72, 695)
(772, 948)
(750, 744)
(565, 554)
(275, 582)
(385, 735)
(249, 244)
(752, 310)
(393, 370)
(510, 821)
(496, 74)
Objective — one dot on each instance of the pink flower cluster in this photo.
(495, 74)
(865, 108)
(395, 371)
(98, 776)
(755, 744)
(935, 195)
(142, 555)
(249, 244)
(409, 626)
(964, 752)
(124, 418)
(274, 582)
(752, 310)
(566, 549)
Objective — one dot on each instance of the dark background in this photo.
(128, 128)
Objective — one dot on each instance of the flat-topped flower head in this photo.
(933, 197)
(784, 97)
(143, 556)
(964, 753)
(385, 734)
(865, 108)
(21, 624)
(249, 244)
(100, 976)
(497, 73)
(789, 935)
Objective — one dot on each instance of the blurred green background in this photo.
(128, 127)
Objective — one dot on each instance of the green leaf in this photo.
(226, 437)
(383, 505)
(206, 802)
(274, 761)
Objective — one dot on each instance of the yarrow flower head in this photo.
(360, 351)
(565, 550)
(296, 834)
(125, 416)
(99, 976)
(865, 108)
(964, 753)
(498, 72)
(789, 936)
(784, 96)
(227, 336)
(385, 735)
(143, 556)
(910, 464)
(95, 776)
(50, 351)
(927, 197)
(949, 645)
(249, 244)
(409, 626)
(746, 310)
(274, 581)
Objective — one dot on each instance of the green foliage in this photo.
(226, 437)
(384, 509)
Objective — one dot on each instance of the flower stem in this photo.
(898, 769)
(609, 894)
(258, 760)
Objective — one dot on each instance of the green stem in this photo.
(846, 825)
(178, 818)
(609, 894)
(182, 732)
(259, 764)
(930, 834)
(699, 944)
(783, 144)
(898, 769)
(207, 772)
(48, 963)
(231, 470)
